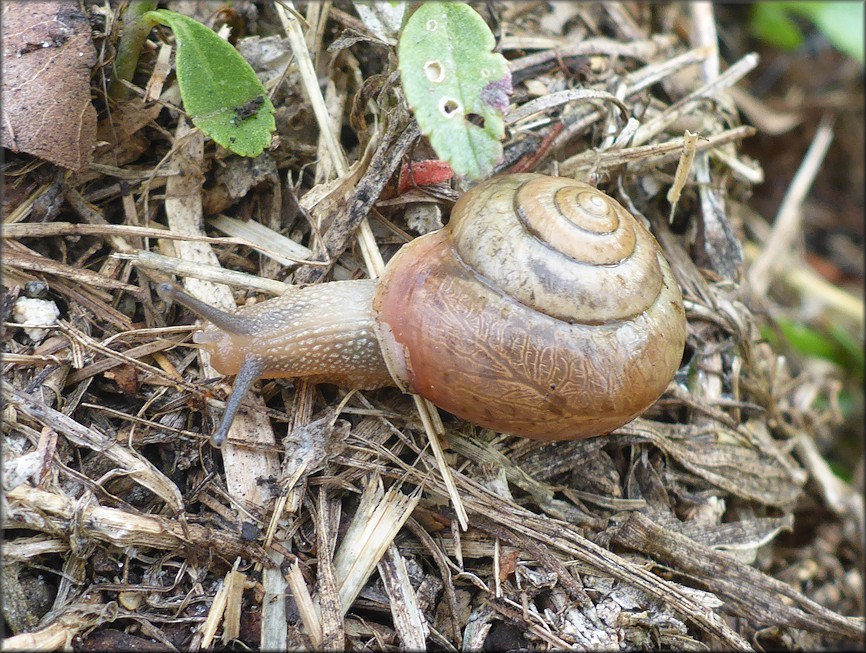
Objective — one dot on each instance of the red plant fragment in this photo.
(424, 173)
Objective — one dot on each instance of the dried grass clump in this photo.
(334, 520)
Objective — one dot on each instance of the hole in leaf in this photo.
(434, 71)
(431, 25)
(475, 119)
(449, 108)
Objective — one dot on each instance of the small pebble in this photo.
(29, 311)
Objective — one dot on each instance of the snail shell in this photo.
(543, 309)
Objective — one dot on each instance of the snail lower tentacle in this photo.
(542, 309)
(250, 371)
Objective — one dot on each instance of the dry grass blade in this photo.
(220, 599)
(552, 101)
(205, 272)
(306, 606)
(19, 257)
(283, 250)
(786, 225)
(373, 529)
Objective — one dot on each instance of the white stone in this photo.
(28, 312)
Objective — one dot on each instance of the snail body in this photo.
(543, 309)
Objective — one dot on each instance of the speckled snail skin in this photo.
(543, 309)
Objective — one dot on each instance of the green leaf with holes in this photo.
(457, 87)
(220, 91)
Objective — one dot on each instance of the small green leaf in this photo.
(220, 90)
(840, 22)
(807, 340)
(457, 87)
(771, 23)
(851, 351)
(833, 344)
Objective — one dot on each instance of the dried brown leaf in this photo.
(47, 58)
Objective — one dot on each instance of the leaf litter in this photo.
(328, 519)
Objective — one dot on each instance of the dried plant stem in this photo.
(704, 34)
(808, 282)
(644, 156)
(787, 223)
(40, 510)
(730, 77)
(206, 272)
(57, 635)
(409, 622)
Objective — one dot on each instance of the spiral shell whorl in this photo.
(581, 257)
(586, 225)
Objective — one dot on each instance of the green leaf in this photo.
(833, 344)
(220, 90)
(452, 81)
(808, 341)
(840, 22)
(771, 23)
(851, 351)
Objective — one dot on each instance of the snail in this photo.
(543, 309)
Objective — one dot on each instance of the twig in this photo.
(215, 273)
(805, 280)
(728, 78)
(787, 223)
